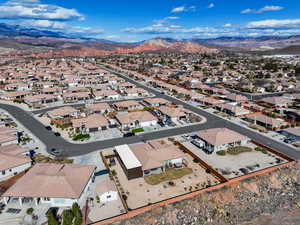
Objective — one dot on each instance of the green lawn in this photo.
(169, 175)
(81, 137)
(137, 130)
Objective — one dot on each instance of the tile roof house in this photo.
(266, 121)
(155, 102)
(91, 123)
(40, 100)
(277, 101)
(232, 110)
(13, 161)
(128, 105)
(172, 113)
(146, 159)
(136, 119)
(53, 184)
(236, 98)
(216, 139)
(63, 112)
(98, 108)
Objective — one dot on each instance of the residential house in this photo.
(13, 161)
(63, 113)
(156, 102)
(217, 139)
(278, 102)
(91, 123)
(232, 110)
(128, 105)
(53, 184)
(267, 122)
(136, 119)
(98, 108)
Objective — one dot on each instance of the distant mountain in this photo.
(253, 43)
(7, 30)
(18, 38)
(159, 44)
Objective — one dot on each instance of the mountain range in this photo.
(15, 38)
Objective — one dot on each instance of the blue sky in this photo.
(137, 20)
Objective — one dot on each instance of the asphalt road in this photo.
(70, 149)
(215, 121)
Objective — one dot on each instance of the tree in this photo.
(68, 217)
(52, 220)
(297, 72)
(77, 214)
(29, 211)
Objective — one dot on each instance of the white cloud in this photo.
(211, 5)
(291, 23)
(183, 9)
(227, 25)
(178, 9)
(33, 9)
(270, 8)
(266, 8)
(46, 24)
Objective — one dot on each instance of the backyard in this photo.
(169, 175)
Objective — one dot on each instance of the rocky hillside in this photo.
(273, 199)
(163, 45)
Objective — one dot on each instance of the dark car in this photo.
(48, 128)
(57, 134)
(54, 210)
(55, 152)
(289, 140)
(130, 134)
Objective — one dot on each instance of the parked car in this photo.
(48, 128)
(289, 140)
(57, 134)
(129, 134)
(55, 152)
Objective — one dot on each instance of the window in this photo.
(108, 196)
(3, 172)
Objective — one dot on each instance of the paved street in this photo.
(213, 121)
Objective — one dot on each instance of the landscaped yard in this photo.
(169, 175)
(238, 149)
(80, 137)
(137, 130)
(39, 158)
(234, 150)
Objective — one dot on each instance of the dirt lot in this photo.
(140, 193)
(230, 165)
(273, 199)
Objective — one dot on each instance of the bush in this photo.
(238, 149)
(29, 211)
(77, 214)
(221, 152)
(113, 172)
(68, 217)
(137, 130)
(52, 220)
(260, 149)
(81, 137)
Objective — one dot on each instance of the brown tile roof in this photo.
(220, 136)
(52, 181)
(151, 158)
(135, 116)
